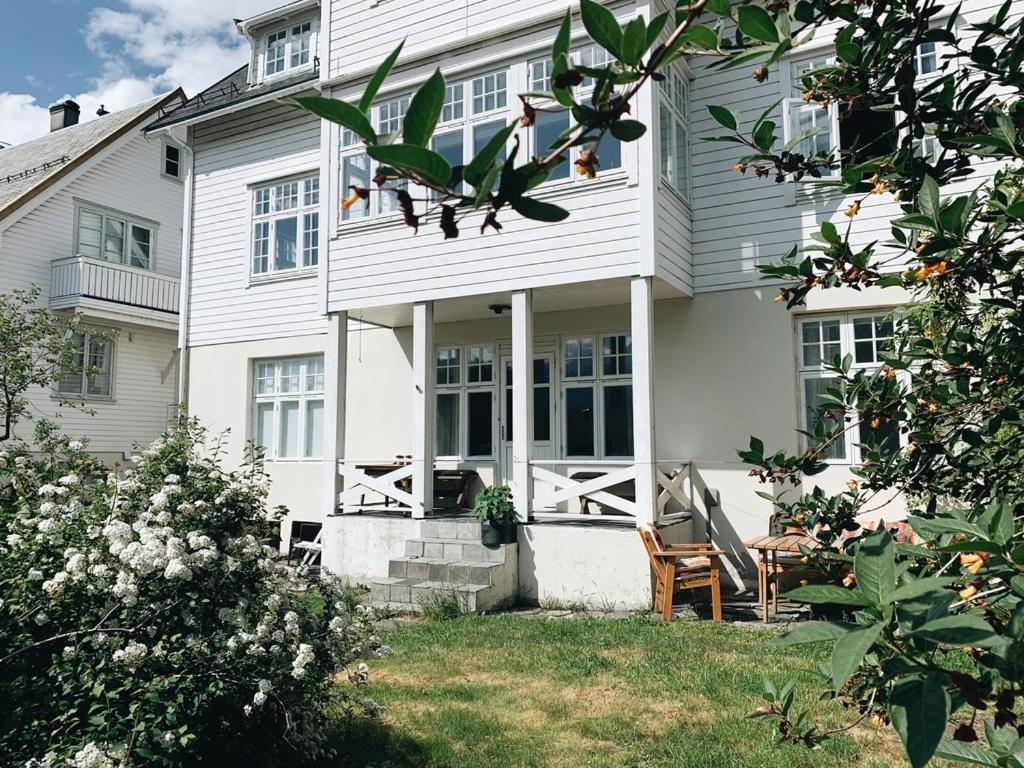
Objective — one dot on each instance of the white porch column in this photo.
(335, 377)
(642, 317)
(423, 408)
(522, 402)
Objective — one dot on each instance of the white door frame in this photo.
(504, 403)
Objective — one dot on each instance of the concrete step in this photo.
(454, 549)
(441, 569)
(467, 529)
(411, 594)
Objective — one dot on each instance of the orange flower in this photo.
(853, 210)
(922, 274)
(972, 561)
(740, 167)
(358, 193)
(587, 163)
(852, 485)
(879, 188)
(875, 422)
(968, 592)
(849, 580)
(808, 95)
(760, 74)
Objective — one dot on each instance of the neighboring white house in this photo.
(91, 213)
(633, 341)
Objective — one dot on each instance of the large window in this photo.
(288, 407)
(114, 237)
(465, 398)
(357, 170)
(674, 132)
(91, 373)
(287, 49)
(820, 341)
(541, 401)
(286, 226)
(597, 390)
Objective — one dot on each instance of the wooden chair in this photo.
(679, 567)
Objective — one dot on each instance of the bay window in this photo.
(288, 407)
(820, 341)
(597, 390)
(465, 401)
(115, 237)
(286, 226)
(91, 372)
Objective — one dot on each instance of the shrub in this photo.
(142, 622)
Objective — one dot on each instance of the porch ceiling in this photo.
(551, 299)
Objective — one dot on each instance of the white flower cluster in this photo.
(132, 655)
(92, 756)
(304, 656)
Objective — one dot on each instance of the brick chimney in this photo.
(64, 115)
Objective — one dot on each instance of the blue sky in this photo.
(112, 52)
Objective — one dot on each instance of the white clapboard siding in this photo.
(384, 263)
(231, 155)
(673, 239)
(82, 277)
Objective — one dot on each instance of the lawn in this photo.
(483, 692)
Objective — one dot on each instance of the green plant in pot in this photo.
(493, 507)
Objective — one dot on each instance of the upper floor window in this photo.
(114, 237)
(90, 374)
(356, 166)
(286, 225)
(171, 161)
(822, 340)
(674, 132)
(287, 49)
(288, 407)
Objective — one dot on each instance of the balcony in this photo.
(106, 288)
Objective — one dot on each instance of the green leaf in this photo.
(378, 79)
(634, 41)
(813, 632)
(342, 113)
(874, 566)
(764, 136)
(725, 116)
(757, 23)
(1004, 130)
(928, 199)
(961, 629)
(719, 7)
(963, 752)
(703, 36)
(933, 526)
(602, 27)
(538, 210)
(655, 27)
(424, 111)
(829, 232)
(628, 130)
(561, 45)
(826, 593)
(913, 589)
(409, 157)
(480, 165)
(849, 652)
(919, 708)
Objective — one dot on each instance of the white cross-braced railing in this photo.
(361, 481)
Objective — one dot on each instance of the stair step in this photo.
(442, 569)
(449, 549)
(467, 529)
(410, 594)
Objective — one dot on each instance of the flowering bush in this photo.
(143, 622)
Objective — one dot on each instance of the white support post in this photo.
(522, 402)
(423, 407)
(642, 315)
(335, 378)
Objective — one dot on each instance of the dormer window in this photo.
(287, 49)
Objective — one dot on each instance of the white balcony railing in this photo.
(81, 277)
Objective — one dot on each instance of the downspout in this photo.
(185, 298)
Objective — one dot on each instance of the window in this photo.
(465, 401)
(674, 132)
(598, 396)
(114, 237)
(288, 49)
(490, 92)
(356, 166)
(541, 401)
(172, 161)
(91, 372)
(926, 59)
(821, 341)
(288, 407)
(286, 226)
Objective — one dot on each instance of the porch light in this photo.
(499, 309)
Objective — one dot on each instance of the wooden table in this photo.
(768, 548)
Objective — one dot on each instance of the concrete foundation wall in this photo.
(358, 548)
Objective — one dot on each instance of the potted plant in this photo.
(493, 507)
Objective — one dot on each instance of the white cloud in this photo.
(144, 47)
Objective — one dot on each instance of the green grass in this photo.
(510, 692)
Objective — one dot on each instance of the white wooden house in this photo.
(607, 367)
(91, 214)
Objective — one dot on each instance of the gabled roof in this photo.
(27, 169)
(231, 91)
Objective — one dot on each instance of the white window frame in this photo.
(309, 366)
(813, 372)
(82, 393)
(793, 104)
(166, 146)
(129, 225)
(462, 389)
(678, 112)
(552, 387)
(291, 37)
(597, 383)
(306, 213)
